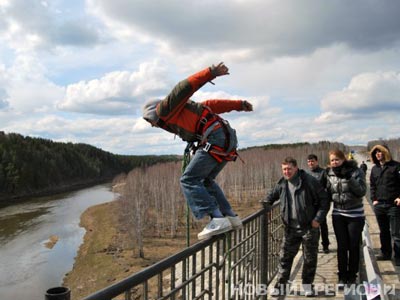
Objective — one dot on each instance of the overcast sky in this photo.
(80, 71)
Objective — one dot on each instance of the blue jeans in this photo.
(198, 180)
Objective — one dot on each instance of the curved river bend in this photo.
(28, 266)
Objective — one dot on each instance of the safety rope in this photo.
(185, 162)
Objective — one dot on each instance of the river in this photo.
(28, 266)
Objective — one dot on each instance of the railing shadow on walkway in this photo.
(236, 265)
(370, 284)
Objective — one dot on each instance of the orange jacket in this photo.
(180, 115)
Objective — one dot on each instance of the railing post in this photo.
(58, 293)
(264, 248)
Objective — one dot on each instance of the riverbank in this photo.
(6, 199)
(104, 258)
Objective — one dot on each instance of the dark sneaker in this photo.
(308, 290)
(280, 289)
(341, 283)
(397, 261)
(351, 280)
(326, 250)
(384, 257)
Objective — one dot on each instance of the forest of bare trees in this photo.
(151, 201)
(249, 181)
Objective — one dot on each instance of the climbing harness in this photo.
(208, 123)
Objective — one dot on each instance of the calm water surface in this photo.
(27, 267)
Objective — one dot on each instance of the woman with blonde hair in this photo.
(346, 186)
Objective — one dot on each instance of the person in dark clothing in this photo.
(303, 205)
(385, 197)
(364, 167)
(319, 173)
(346, 186)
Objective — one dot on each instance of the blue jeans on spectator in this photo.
(388, 217)
(198, 180)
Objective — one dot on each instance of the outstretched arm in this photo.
(220, 106)
(183, 90)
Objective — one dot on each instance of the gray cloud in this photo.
(75, 33)
(366, 94)
(46, 25)
(267, 27)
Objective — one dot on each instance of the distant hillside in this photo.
(34, 166)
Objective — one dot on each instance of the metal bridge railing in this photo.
(236, 265)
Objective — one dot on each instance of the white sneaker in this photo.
(216, 226)
(235, 222)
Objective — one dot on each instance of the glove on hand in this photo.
(246, 106)
(267, 205)
(219, 70)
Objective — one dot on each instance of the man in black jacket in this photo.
(320, 174)
(385, 196)
(364, 167)
(303, 205)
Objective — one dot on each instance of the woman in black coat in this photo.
(347, 187)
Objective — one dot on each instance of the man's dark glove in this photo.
(267, 205)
